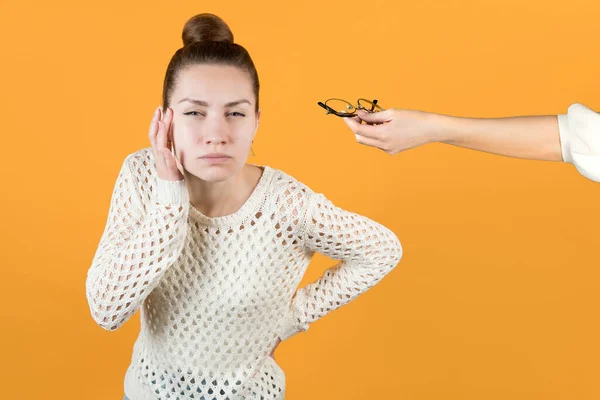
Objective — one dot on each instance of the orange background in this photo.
(497, 294)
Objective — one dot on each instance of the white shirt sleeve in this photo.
(579, 131)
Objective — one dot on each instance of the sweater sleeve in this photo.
(366, 251)
(139, 243)
(579, 131)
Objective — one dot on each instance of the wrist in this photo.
(171, 192)
(444, 128)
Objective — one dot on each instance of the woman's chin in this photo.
(214, 173)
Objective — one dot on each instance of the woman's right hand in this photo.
(167, 166)
(395, 130)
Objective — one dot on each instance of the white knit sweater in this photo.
(216, 293)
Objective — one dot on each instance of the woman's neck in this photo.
(217, 199)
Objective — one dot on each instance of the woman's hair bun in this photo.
(206, 28)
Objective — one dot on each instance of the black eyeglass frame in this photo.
(372, 105)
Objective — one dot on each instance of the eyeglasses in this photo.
(344, 109)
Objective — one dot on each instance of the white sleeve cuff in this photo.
(564, 133)
(172, 192)
(579, 131)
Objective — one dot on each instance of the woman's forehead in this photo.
(205, 77)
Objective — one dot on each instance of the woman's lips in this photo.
(216, 158)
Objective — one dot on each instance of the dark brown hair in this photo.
(208, 40)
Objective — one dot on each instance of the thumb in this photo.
(376, 117)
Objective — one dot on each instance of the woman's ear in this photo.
(257, 118)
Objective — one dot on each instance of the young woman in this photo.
(212, 249)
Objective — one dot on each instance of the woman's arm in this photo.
(530, 137)
(136, 248)
(572, 137)
(367, 252)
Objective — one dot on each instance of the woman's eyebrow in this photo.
(206, 104)
(197, 102)
(237, 102)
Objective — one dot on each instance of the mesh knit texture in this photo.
(215, 293)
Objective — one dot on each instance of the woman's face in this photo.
(214, 120)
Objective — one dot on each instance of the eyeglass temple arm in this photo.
(324, 106)
(327, 108)
(332, 111)
(374, 103)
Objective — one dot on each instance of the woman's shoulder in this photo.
(288, 196)
(141, 161)
(286, 188)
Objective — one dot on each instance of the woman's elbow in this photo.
(396, 252)
(105, 317)
(106, 314)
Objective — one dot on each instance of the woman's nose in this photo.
(215, 139)
(217, 133)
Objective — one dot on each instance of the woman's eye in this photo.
(237, 114)
(193, 113)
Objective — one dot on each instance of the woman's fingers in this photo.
(165, 126)
(169, 160)
(371, 131)
(179, 166)
(368, 141)
(172, 148)
(153, 131)
(173, 169)
(167, 166)
(161, 138)
(378, 117)
(367, 135)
